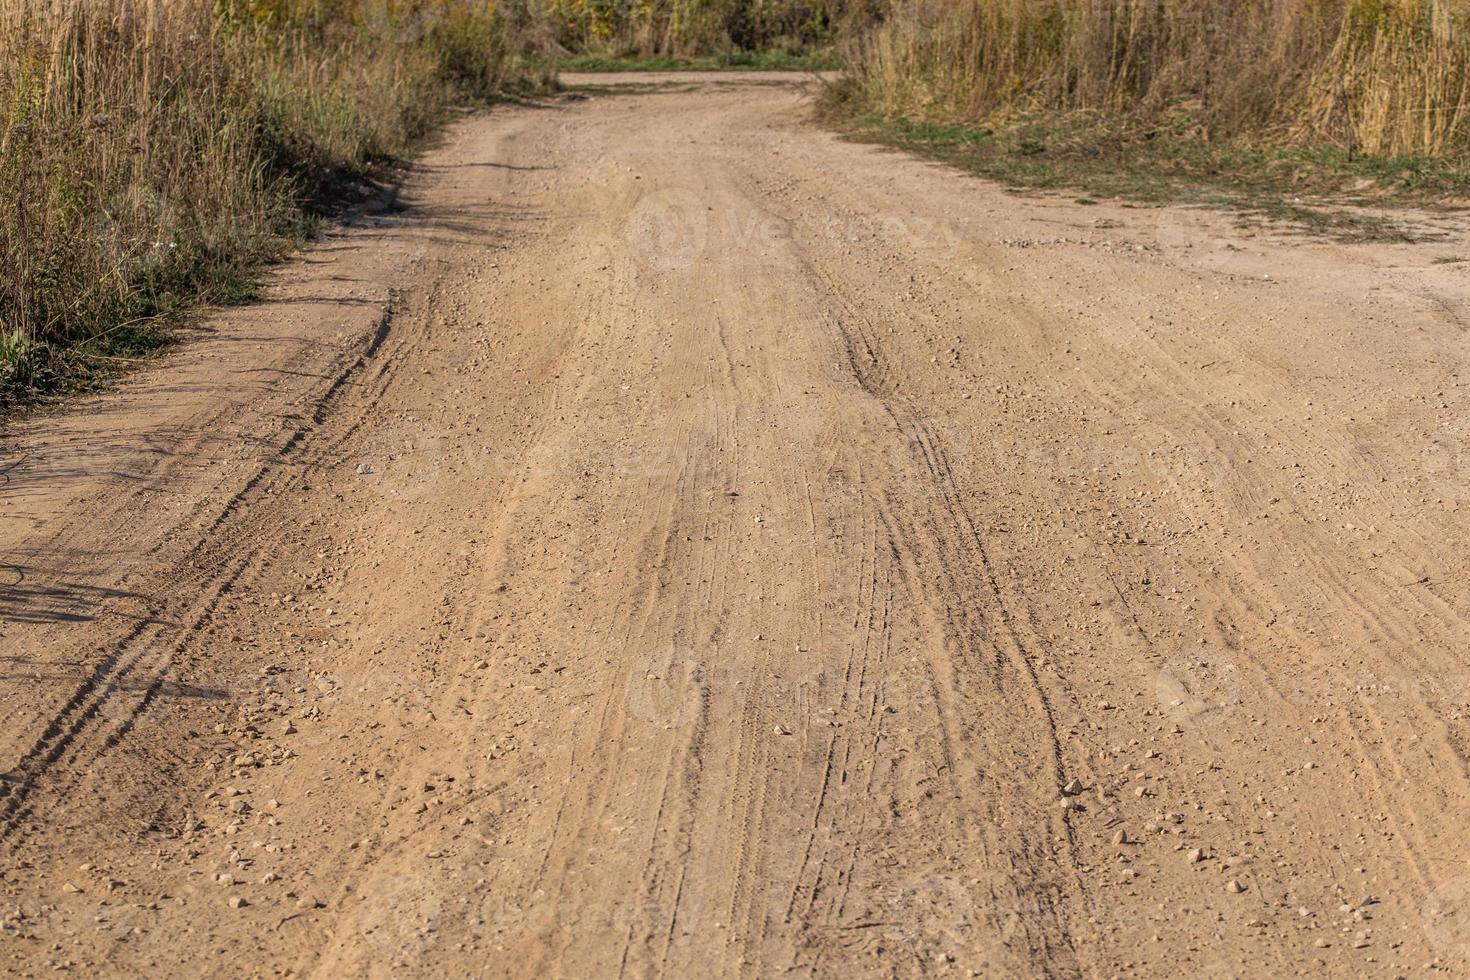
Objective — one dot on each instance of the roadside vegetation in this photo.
(824, 59)
(617, 35)
(1246, 103)
(153, 155)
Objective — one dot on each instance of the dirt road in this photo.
(669, 540)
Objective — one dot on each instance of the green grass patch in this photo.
(1317, 190)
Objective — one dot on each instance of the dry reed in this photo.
(1375, 77)
(154, 151)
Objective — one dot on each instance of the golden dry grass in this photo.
(153, 151)
(1376, 77)
(694, 28)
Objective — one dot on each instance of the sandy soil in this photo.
(669, 540)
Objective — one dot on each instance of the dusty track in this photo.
(673, 541)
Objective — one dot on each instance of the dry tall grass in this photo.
(153, 150)
(696, 27)
(1377, 77)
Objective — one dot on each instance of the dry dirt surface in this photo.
(669, 540)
